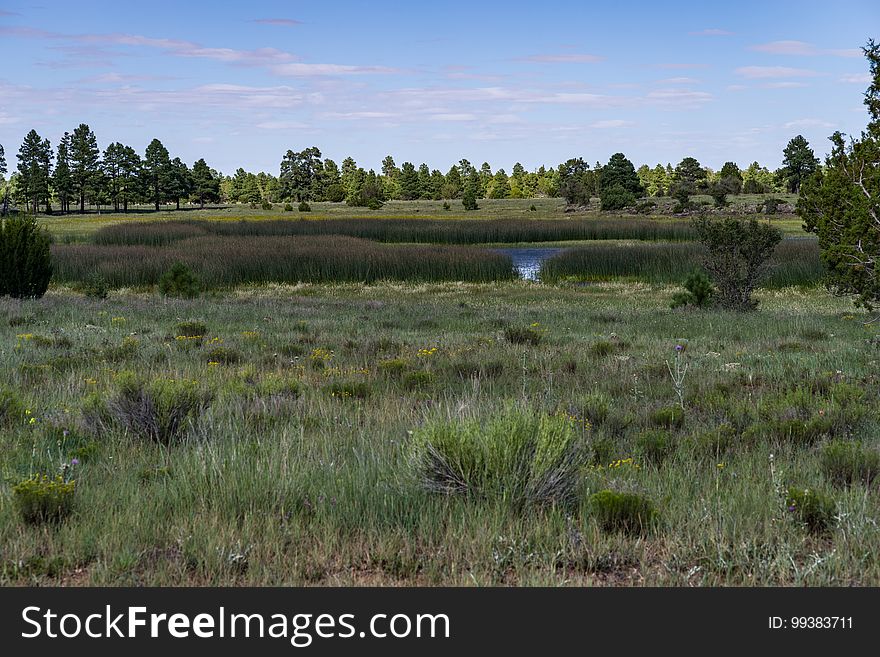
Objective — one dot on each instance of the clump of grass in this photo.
(158, 410)
(668, 417)
(594, 406)
(814, 509)
(655, 446)
(44, 499)
(847, 462)
(791, 430)
(602, 348)
(628, 513)
(417, 380)
(517, 456)
(393, 366)
(348, 389)
(125, 350)
(11, 408)
(191, 329)
(95, 286)
(222, 355)
(523, 335)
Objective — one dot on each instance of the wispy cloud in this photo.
(857, 78)
(807, 123)
(282, 125)
(610, 123)
(300, 69)
(565, 58)
(679, 66)
(679, 97)
(283, 22)
(803, 49)
(4, 12)
(785, 84)
(756, 72)
(711, 31)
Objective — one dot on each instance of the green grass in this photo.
(795, 262)
(301, 470)
(224, 261)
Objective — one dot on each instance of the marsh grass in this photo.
(795, 262)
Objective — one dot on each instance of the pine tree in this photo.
(84, 163)
(62, 180)
(34, 168)
(157, 171)
(206, 186)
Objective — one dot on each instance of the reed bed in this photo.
(233, 260)
(416, 231)
(796, 262)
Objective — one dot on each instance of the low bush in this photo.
(191, 329)
(179, 281)
(668, 417)
(516, 456)
(698, 292)
(304, 207)
(44, 499)
(12, 410)
(288, 207)
(655, 446)
(814, 509)
(523, 335)
(847, 462)
(95, 286)
(158, 410)
(628, 513)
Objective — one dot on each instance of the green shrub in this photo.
(517, 456)
(668, 417)
(797, 431)
(523, 335)
(41, 499)
(699, 292)
(266, 205)
(617, 197)
(645, 207)
(304, 207)
(179, 281)
(96, 286)
(594, 406)
(126, 350)
(846, 463)
(393, 366)
(446, 206)
(191, 329)
(374, 204)
(602, 348)
(157, 410)
(532, 208)
(737, 255)
(417, 380)
(11, 408)
(277, 385)
(655, 446)
(288, 207)
(222, 355)
(25, 258)
(629, 513)
(813, 508)
(713, 443)
(469, 200)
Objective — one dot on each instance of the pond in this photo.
(528, 259)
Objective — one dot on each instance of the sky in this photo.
(240, 83)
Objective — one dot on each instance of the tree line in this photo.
(78, 174)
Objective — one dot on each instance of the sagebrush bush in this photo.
(655, 446)
(517, 456)
(179, 281)
(11, 407)
(158, 410)
(847, 462)
(816, 510)
(25, 258)
(266, 205)
(594, 406)
(668, 417)
(191, 329)
(629, 513)
(304, 207)
(345, 389)
(288, 207)
(42, 499)
(523, 335)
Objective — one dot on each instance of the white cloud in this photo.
(857, 78)
(460, 116)
(570, 58)
(803, 49)
(282, 125)
(712, 31)
(807, 123)
(756, 72)
(610, 123)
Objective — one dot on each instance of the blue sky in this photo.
(240, 83)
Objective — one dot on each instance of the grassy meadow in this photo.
(413, 414)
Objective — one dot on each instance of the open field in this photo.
(298, 465)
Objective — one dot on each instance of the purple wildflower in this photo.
(679, 348)
(74, 461)
(791, 508)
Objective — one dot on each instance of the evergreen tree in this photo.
(34, 168)
(157, 171)
(798, 163)
(62, 179)
(619, 183)
(452, 185)
(179, 181)
(84, 163)
(205, 185)
(424, 181)
(500, 186)
(409, 182)
(4, 209)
